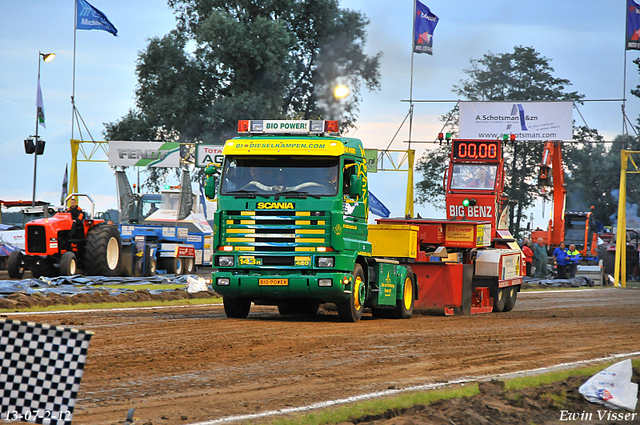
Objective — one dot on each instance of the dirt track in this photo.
(186, 365)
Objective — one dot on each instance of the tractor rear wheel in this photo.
(351, 310)
(15, 265)
(404, 306)
(102, 251)
(236, 308)
(68, 265)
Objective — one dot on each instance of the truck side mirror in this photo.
(355, 186)
(210, 182)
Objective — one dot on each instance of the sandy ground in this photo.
(186, 365)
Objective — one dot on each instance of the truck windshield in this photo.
(284, 175)
(473, 177)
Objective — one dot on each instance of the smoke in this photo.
(633, 221)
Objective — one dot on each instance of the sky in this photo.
(583, 39)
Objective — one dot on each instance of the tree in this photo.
(243, 59)
(523, 75)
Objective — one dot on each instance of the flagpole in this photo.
(35, 154)
(73, 90)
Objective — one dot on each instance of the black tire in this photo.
(512, 296)
(68, 264)
(174, 265)
(15, 265)
(236, 308)
(102, 251)
(153, 267)
(189, 265)
(351, 310)
(500, 300)
(404, 306)
(608, 258)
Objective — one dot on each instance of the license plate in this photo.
(273, 282)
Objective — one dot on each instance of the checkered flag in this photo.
(41, 370)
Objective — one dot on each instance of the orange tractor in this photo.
(51, 248)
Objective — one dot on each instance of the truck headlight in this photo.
(223, 281)
(325, 282)
(225, 261)
(325, 261)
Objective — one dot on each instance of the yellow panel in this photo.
(241, 230)
(247, 212)
(303, 222)
(393, 240)
(229, 221)
(321, 223)
(245, 248)
(310, 240)
(310, 231)
(247, 222)
(303, 213)
(305, 249)
(241, 239)
(284, 146)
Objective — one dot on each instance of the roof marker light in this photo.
(243, 126)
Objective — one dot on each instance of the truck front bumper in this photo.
(332, 287)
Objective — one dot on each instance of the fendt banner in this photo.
(527, 120)
(144, 154)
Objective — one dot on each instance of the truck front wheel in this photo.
(351, 310)
(236, 308)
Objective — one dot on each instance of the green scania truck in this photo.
(291, 225)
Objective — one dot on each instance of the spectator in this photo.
(528, 256)
(573, 260)
(540, 259)
(560, 258)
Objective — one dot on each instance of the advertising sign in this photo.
(460, 234)
(371, 155)
(527, 120)
(208, 154)
(144, 154)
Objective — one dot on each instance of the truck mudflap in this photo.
(271, 288)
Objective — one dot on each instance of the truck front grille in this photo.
(36, 239)
(275, 231)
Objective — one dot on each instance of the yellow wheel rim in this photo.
(408, 294)
(357, 287)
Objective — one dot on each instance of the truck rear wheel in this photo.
(236, 308)
(68, 265)
(351, 310)
(15, 265)
(102, 251)
(512, 296)
(404, 306)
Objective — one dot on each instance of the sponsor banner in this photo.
(371, 155)
(633, 26)
(209, 154)
(460, 234)
(144, 154)
(424, 24)
(527, 120)
(510, 267)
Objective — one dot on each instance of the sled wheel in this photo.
(500, 300)
(512, 296)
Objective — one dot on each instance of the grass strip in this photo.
(127, 304)
(337, 415)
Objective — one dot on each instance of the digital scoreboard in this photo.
(487, 150)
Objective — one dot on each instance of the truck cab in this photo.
(291, 224)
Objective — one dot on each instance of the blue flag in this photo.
(633, 26)
(376, 207)
(90, 18)
(424, 24)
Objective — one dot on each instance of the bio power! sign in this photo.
(144, 154)
(527, 120)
